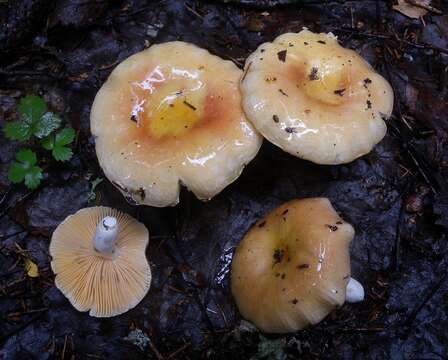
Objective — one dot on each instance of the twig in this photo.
(7, 236)
(10, 206)
(193, 11)
(377, 15)
(393, 38)
(108, 66)
(363, 330)
(65, 346)
(15, 282)
(10, 273)
(135, 12)
(406, 136)
(412, 154)
(27, 312)
(93, 356)
(155, 351)
(352, 19)
(5, 195)
(430, 291)
(397, 246)
(180, 255)
(178, 351)
(46, 74)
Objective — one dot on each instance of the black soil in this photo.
(396, 197)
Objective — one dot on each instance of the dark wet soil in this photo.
(396, 197)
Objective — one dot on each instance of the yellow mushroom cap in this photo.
(315, 99)
(105, 284)
(292, 267)
(172, 114)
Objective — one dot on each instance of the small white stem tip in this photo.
(105, 236)
(354, 292)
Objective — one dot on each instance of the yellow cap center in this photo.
(327, 82)
(172, 110)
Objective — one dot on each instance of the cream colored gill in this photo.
(104, 280)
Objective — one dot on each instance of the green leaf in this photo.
(57, 143)
(48, 143)
(25, 169)
(32, 108)
(35, 121)
(17, 130)
(62, 153)
(33, 177)
(64, 137)
(27, 157)
(46, 125)
(16, 173)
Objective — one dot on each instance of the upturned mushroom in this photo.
(98, 256)
(172, 115)
(293, 267)
(315, 99)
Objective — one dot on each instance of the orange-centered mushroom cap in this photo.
(168, 115)
(292, 267)
(99, 261)
(315, 99)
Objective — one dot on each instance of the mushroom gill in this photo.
(98, 257)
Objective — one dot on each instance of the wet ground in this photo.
(396, 197)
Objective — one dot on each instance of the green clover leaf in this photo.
(17, 130)
(32, 108)
(34, 120)
(57, 144)
(25, 169)
(46, 125)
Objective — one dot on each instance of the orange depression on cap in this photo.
(172, 115)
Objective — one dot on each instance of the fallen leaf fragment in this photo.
(410, 10)
(31, 268)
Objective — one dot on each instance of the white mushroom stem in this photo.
(106, 235)
(354, 292)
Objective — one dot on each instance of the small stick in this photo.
(178, 351)
(65, 346)
(155, 351)
(189, 8)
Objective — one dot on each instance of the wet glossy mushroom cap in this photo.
(172, 115)
(315, 99)
(99, 261)
(292, 267)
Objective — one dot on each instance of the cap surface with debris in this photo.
(292, 267)
(315, 99)
(172, 115)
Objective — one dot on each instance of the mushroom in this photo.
(172, 115)
(292, 267)
(315, 99)
(98, 256)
